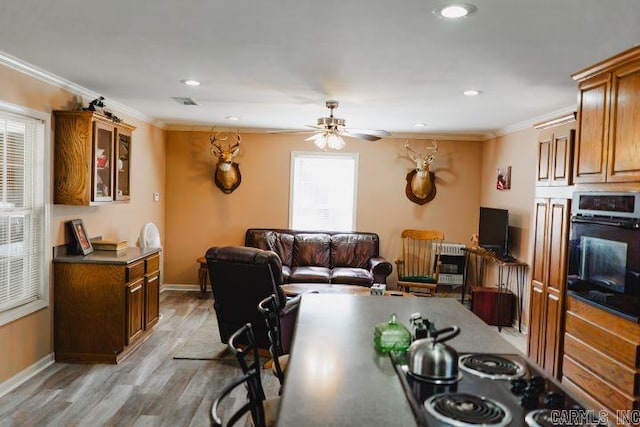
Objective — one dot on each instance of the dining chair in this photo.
(419, 265)
(269, 309)
(263, 411)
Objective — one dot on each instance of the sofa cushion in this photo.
(311, 250)
(286, 274)
(268, 240)
(310, 274)
(353, 250)
(351, 276)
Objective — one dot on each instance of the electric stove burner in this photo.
(491, 366)
(462, 409)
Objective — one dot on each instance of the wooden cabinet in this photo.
(92, 159)
(601, 357)
(105, 304)
(607, 146)
(548, 275)
(555, 152)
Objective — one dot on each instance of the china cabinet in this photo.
(92, 163)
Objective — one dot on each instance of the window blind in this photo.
(323, 191)
(21, 210)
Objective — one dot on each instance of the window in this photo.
(24, 267)
(323, 191)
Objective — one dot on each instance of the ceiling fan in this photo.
(329, 130)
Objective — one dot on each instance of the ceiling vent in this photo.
(185, 100)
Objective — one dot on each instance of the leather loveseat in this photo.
(324, 257)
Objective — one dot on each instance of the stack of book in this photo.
(108, 245)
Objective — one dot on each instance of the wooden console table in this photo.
(514, 269)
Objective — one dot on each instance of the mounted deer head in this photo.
(421, 185)
(227, 176)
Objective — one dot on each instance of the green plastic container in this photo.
(391, 336)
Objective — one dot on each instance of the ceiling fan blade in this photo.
(364, 136)
(290, 131)
(377, 132)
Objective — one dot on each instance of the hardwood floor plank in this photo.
(148, 389)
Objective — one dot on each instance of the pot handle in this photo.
(453, 331)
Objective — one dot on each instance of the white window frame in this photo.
(13, 314)
(356, 159)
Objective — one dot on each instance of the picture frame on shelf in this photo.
(79, 232)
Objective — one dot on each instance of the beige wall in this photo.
(518, 150)
(199, 215)
(27, 340)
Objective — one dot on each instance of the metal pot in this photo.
(432, 360)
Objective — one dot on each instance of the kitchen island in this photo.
(335, 375)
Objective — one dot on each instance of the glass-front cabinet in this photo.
(92, 163)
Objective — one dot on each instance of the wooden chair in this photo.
(269, 309)
(419, 265)
(264, 412)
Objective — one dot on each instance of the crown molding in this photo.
(62, 83)
(534, 121)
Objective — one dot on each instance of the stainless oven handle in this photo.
(599, 222)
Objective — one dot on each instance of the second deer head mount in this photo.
(227, 175)
(421, 182)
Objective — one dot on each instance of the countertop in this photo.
(126, 256)
(335, 376)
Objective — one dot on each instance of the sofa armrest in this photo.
(380, 268)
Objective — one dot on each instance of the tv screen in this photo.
(493, 232)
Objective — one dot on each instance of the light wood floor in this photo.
(149, 388)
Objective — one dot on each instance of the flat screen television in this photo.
(493, 232)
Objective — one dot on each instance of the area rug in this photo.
(204, 343)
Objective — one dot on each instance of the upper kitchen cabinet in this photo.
(555, 151)
(607, 145)
(92, 163)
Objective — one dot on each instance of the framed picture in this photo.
(81, 238)
(504, 178)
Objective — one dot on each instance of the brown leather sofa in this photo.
(324, 257)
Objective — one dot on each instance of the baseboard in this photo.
(179, 287)
(26, 374)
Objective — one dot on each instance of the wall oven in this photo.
(604, 251)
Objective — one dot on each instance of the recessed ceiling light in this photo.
(472, 92)
(455, 10)
(420, 125)
(234, 118)
(190, 82)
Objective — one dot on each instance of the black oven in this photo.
(604, 251)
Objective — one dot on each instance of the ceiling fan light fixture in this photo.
(326, 140)
(454, 11)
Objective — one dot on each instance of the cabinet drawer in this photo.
(623, 377)
(135, 271)
(605, 340)
(587, 380)
(153, 263)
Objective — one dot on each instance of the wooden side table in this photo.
(203, 275)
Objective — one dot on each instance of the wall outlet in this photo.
(156, 197)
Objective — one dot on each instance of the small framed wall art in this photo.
(79, 233)
(504, 178)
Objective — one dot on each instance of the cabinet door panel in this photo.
(135, 310)
(553, 334)
(544, 161)
(539, 243)
(593, 133)
(536, 336)
(123, 165)
(103, 162)
(152, 299)
(624, 145)
(561, 171)
(557, 237)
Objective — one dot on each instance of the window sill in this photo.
(22, 311)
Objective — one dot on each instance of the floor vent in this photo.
(185, 100)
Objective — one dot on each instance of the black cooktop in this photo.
(521, 395)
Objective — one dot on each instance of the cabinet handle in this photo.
(152, 279)
(136, 288)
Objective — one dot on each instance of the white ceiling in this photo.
(273, 63)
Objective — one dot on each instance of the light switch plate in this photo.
(156, 197)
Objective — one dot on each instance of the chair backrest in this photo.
(271, 313)
(243, 344)
(240, 278)
(421, 251)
